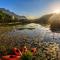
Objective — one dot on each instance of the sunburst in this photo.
(57, 11)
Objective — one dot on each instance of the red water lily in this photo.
(33, 50)
(25, 49)
(5, 57)
(11, 57)
(17, 51)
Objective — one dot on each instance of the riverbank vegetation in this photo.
(44, 51)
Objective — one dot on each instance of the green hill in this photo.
(44, 20)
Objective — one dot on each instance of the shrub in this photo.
(27, 56)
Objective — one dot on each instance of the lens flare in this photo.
(57, 11)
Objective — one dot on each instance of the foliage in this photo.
(47, 51)
(3, 50)
(55, 26)
(27, 56)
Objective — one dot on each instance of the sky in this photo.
(30, 7)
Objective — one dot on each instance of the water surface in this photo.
(16, 34)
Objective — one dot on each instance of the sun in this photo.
(55, 7)
(57, 11)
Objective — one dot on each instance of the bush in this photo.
(27, 56)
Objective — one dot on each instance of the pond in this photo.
(14, 35)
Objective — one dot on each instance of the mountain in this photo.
(55, 23)
(12, 14)
(44, 19)
(50, 19)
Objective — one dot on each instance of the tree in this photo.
(55, 23)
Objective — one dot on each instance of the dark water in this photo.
(11, 34)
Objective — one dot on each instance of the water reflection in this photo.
(31, 31)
